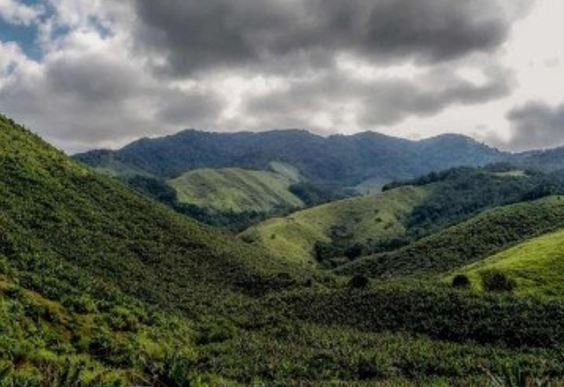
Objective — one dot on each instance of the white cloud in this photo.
(15, 12)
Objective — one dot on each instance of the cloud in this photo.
(110, 72)
(536, 125)
(348, 100)
(191, 36)
(17, 13)
(98, 98)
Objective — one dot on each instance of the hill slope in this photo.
(52, 207)
(367, 219)
(402, 214)
(341, 160)
(469, 241)
(536, 266)
(236, 190)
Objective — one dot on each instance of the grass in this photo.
(535, 265)
(238, 190)
(374, 218)
(483, 235)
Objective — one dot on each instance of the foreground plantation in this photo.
(102, 286)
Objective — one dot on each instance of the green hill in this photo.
(341, 231)
(469, 241)
(356, 220)
(52, 206)
(100, 286)
(86, 265)
(238, 190)
(536, 266)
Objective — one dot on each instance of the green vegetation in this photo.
(467, 242)
(86, 333)
(102, 286)
(235, 198)
(336, 233)
(365, 220)
(236, 190)
(535, 265)
(344, 161)
(440, 313)
(53, 208)
(460, 193)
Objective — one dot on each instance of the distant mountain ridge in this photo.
(343, 160)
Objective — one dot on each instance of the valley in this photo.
(449, 277)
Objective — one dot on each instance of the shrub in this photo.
(354, 251)
(497, 281)
(123, 319)
(80, 304)
(461, 281)
(215, 332)
(359, 282)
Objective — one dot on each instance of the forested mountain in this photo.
(543, 160)
(340, 160)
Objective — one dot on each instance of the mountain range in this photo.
(369, 158)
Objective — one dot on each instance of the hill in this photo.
(470, 241)
(87, 266)
(101, 286)
(346, 161)
(335, 233)
(547, 160)
(55, 207)
(536, 266)
(238, 190)
(369, 219)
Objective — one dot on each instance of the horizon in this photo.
(323, 135)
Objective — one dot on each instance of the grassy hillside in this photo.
(469, 241)
(53, 208)
(371, 218)
(89, 268)
(536, 266)
(237, 190)
(60, 327)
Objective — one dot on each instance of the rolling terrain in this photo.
(100, 285)
(341, 231)
(470, 241)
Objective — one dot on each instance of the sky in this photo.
(90, 74)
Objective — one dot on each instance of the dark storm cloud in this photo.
(377, 102)
(536, 125)
(280, 35)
